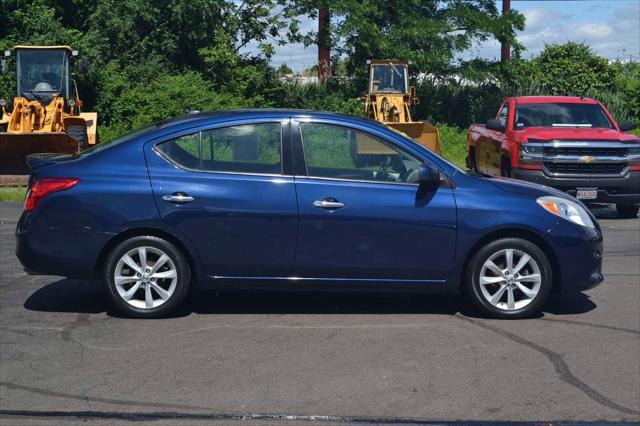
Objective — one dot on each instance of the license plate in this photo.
(587, 193)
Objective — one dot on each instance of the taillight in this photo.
(43, 187)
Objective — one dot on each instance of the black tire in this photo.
(472, 162)
(474, 269)
(177, 262)
(505, 167)
(627, 211)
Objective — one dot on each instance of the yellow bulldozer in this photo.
(390, 99)
(47, 113)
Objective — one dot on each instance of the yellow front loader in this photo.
(389, 100)
(47, 113)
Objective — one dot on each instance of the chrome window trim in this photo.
(375, 182)
(155, 149)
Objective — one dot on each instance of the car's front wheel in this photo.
(509, 278)
(146, 277)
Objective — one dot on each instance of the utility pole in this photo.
(324, 47)
(505, 50)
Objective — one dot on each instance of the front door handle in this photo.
(178, 198)
(328, 204)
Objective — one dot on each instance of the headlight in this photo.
(531, 153)
(566, 209)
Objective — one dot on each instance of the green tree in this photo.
(429, 33)
(284, 70)
(573, 69)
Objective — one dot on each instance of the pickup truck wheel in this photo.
(505, 167)
(146, 277)
(627, 211)
(471, 160)
(509, 278)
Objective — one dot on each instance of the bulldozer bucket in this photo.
(14, 147)
(422, 132)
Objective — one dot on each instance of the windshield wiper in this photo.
(571, 125)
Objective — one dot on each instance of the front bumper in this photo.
(615, 190)
(579, 251)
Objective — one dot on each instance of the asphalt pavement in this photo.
(289, 358)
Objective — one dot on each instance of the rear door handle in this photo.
(178, 198)
(328, 204)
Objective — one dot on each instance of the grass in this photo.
(12, 193)
(453, 142)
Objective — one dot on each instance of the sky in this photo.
(611, 28)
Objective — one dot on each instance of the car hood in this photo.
(527, 188)
(545, 133)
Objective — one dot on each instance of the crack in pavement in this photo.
(86, 398)
(561, 367)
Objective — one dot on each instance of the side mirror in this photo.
(495, 125)
(627, 126)
(82, 65)
(429, 176)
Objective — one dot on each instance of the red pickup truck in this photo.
(568, 143)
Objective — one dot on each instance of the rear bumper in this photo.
(615, 190)
(45, 250)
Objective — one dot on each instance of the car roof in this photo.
(554, 99)
(257, 113)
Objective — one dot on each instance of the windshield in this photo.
(388, 78)
(42, 73)
(561, 115)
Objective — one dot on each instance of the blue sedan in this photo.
(297, 199)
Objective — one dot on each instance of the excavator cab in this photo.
(389, 78)
(41, 74)
(390, 100)
(47, 113)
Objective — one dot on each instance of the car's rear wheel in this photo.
(146, 277)
(509, 278)
(627, 211)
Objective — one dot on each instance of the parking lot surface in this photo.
(66, 356)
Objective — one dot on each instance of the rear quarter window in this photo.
(248, 148)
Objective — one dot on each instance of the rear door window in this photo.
(246, 148)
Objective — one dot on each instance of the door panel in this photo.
(362, 214)
(384, 231)
(241, 224)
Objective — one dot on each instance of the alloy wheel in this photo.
(145, 277)
(510, 279)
